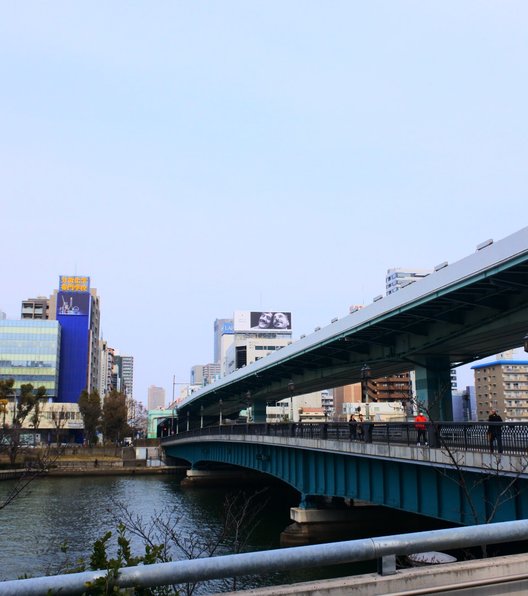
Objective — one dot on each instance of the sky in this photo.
(197, 158)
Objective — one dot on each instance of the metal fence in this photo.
(467, 436)
(384, 549)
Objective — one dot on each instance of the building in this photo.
(257, 334)
(223, 336)
(464, 405)
(106, 368)
(155, 398)
(76, 307)
(399, 278)
(3, 316)
(127, 372)
(502, 385)
(204, 374)
(30, 352)
(35, 308)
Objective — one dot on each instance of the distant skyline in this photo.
(197, 159)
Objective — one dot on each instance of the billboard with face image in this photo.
(265, 321)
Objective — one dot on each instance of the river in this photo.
(55, 521)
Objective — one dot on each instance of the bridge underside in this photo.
(477, 317)
(452, 495)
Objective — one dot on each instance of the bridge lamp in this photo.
(220, 404)
(177, 422)
(291, 388)
(201, 416)
(365, 377)
(188, 412)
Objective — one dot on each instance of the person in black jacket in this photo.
(495, 431)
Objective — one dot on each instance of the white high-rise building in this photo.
(127, 373)
(398, 278)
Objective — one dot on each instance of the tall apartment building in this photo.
(155, 398)
(503, 386)
(106, 368)
(3, 315)
(127, 367)
(398, 278)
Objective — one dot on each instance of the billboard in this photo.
(73, 303)
(266, 321)
(74, 283)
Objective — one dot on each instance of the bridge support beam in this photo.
(433, 388)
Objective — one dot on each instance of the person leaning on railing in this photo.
(495, 431)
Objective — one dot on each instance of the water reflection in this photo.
(77, 511)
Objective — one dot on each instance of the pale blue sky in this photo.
(196, 158)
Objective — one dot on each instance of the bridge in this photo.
(454, 478)
(460, 313)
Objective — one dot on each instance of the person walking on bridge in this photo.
(419, 425)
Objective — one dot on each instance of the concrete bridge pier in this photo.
(333, 523)
(433, 387)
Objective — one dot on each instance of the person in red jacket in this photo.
(419, 424)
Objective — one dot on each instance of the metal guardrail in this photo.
(384, 549)
(467, 436)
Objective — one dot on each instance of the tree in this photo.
(114, 419)
(137, 418)
(25, 403)
(482, 505)
(90, 408)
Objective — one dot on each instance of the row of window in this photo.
(28, 363)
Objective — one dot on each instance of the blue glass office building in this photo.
(30, 353)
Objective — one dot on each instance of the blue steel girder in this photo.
(452, 495)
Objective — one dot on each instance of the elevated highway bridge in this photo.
(460, 313)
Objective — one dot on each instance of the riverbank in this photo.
(63, 472)
(81, 461)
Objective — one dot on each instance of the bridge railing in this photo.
(384, 549)
(509, 437)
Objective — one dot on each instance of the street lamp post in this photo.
(177, 422)
(365, 377)
(201, 416)
(220, 403)
(291, 388)
(188, 413)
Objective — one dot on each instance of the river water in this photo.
(55, 521)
